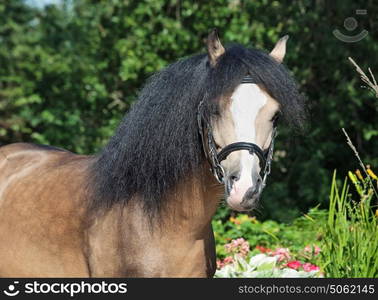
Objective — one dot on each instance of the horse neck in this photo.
(126, 238)
(191, 204)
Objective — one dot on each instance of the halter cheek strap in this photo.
(214, 158)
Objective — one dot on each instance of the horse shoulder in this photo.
(42, 207)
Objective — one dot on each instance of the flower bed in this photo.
(268, 263)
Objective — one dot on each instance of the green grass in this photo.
(350, 242)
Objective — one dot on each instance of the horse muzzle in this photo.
(243, 195)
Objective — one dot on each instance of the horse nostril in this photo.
(230, 181)
(235, 177)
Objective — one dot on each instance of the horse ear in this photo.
(279, 50)
(214, 47)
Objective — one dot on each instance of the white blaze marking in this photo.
(247, 100)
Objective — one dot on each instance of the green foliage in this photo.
(69, 72)
(301, 232)
(350, 242)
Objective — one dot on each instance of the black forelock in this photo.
(157, 142)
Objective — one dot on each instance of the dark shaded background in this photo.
(68, 73)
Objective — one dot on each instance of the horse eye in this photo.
(275, 118)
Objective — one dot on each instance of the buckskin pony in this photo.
(201, 128)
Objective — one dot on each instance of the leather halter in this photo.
(215, 158)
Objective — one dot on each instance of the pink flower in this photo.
(310, 267)
(282, 253)
(312, 249)
(294, 264)
(228, 260)
(240, 246)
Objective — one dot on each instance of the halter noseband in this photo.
(215, 158)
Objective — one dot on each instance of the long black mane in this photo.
(157, 142)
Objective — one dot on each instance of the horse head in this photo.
(239, 141)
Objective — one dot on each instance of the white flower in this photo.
(263, 262)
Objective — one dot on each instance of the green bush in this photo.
(69, 72)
